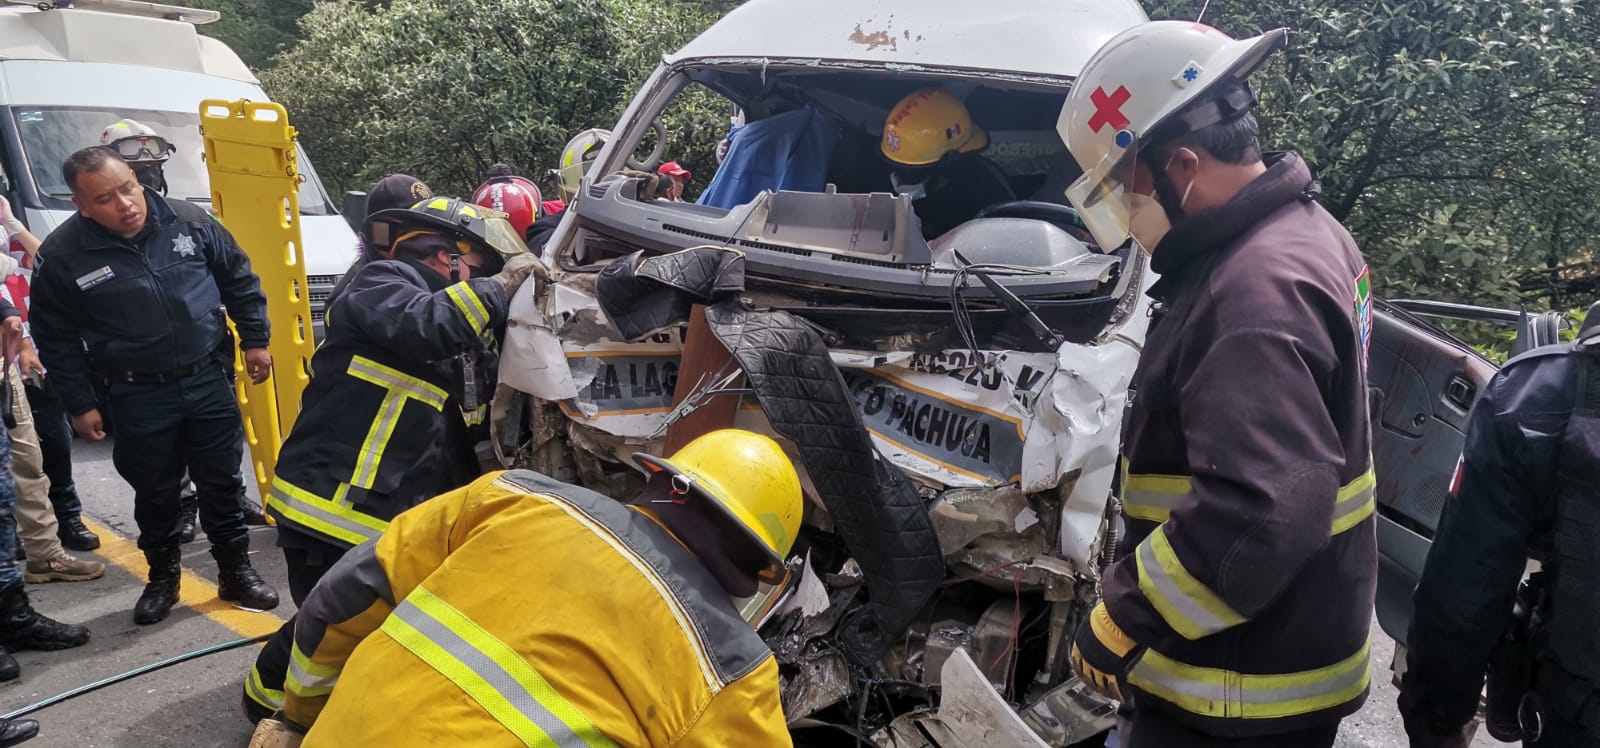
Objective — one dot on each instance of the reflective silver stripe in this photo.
(471, 307)
(377, 440)
(384, 376)
(300, 675)
(258, 692)
(1186, 604)
(401, 387)
(1356, 502)
(1152, 506)
(318, 516)
(1212, 692)
(484, 667)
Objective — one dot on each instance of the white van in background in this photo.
(67, 73)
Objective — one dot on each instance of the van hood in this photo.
(1051, 38)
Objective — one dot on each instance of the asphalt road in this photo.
(191, 704)
(197, 703)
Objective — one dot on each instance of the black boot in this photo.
(74, 535)
(190, 504)
(237, 581)
(162, 592)
(254, 515)
(17, 731)
(9, 669)
(21, 627)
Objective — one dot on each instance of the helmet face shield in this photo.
(1104, 194)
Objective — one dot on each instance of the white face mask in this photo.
(1147, 220)
(914, 191)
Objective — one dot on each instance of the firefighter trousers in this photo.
(1152, 729)
(264, 686)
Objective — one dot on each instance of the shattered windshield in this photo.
(51, 134)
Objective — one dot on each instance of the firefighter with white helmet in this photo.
(1237, 612)
(145, 150)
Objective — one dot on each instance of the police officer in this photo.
(140, 282)
(401, 381)
(1237, 611)
(1528, 485)
(147, 153)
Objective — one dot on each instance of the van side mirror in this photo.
(354, 209)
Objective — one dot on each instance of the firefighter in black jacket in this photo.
(1237, 613)
(140, 281)
(1528, 484)
(405, 372)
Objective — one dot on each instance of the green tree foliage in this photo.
(255, 29)
(443, 89)
(1454, 137)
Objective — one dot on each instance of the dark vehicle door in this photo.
(1423, 383)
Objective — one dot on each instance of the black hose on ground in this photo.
(134, 673)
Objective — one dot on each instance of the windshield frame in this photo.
(21, 169)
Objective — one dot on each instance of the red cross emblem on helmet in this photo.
(1108, 108)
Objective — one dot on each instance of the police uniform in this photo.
(146, 313)
(1528, 485)
(401, 379)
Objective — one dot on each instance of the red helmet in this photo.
(518, 198)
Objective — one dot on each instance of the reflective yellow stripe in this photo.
(475, 417)
(1151, 497)
(333, 519)
(489, 671)
(1225, 694)
(307, 679)
(259, 693)
(367, 370)
(1357, 501)
(401, 387)
(1188, 606)
(470, 305)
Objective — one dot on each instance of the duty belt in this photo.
(161, 377)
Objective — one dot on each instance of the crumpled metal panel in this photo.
(1033, 421)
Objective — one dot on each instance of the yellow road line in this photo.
(194, 592)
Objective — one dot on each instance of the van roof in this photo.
(1029, 37)
(76, 35)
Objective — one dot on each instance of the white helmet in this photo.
(1147, 85)
(136, 142)
(576, 158)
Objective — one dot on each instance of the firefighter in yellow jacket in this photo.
(525, 611)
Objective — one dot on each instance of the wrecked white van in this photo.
(953, 401)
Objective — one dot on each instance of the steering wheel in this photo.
(1064, 216)
(650, 162)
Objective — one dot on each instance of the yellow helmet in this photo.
(750, 479)
(927, 125)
